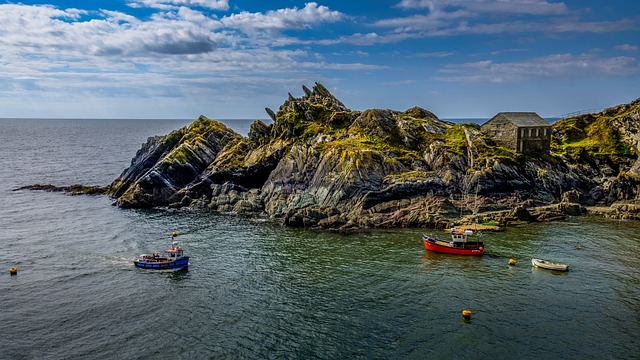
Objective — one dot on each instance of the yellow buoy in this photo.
(174, 234)
(512, 262)
(466, 314)
(13, 271)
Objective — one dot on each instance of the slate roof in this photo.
(522, 119)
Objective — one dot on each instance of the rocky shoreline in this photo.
(321, 165)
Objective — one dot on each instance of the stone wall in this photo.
(520, 139)
(503, 132)
(534, 139)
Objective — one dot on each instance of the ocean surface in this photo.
(256, 290)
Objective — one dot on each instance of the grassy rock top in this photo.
(611, 135)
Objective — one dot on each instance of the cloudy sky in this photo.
(231, 59)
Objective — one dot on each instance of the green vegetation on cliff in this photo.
(232, 156)
(455, 140)
(498, 153)
(195, 139)
(593, 136)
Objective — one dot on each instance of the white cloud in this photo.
(627, 47)
(371, 38)
(555, 26)
(553, 66)
(178, 51)
(443, 18)
(290, 18)
(39, 31)
(181, 50)
(437, 54)
(532, 7)
(171, 4)
(431, 22)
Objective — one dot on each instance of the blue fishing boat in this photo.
(173, 259)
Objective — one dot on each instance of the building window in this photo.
(521, 132)
(529, 132)
(537, 132)
(545, 131)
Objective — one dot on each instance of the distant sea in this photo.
(257, 290)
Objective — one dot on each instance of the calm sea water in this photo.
(256, 290)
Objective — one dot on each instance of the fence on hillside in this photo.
(578, 113)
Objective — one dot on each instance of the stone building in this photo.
(519, 131)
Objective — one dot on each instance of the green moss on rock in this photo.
(499, 153)
(407, 176)
(233, 155)
(591, 137)
(455, 140)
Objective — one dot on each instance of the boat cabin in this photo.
(460, 235)
(175, 252)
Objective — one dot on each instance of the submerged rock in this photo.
(71, 189)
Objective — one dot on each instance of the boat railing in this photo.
(468, 244)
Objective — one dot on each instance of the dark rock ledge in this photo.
(71, 189)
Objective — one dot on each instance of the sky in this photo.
(229, 59)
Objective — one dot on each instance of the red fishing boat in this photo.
(459, 244)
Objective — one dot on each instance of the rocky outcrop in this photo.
(320, 164)
(167, 164)
(71, 189)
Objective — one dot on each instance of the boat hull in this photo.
(473, 248)
(549, 265)
(180, 263)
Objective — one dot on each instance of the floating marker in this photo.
(13, 271)
(466, 314)
(512, 262)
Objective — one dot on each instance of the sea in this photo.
(257, 290)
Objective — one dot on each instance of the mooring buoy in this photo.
(13, 271)
(512, 262)
(466, 314)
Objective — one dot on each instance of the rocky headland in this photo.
(322, 165)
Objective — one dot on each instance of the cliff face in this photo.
(603, 147)
(320, 164)
(166, 164)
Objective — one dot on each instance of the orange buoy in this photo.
(174, 234)
(466, 314)
(512, 262)
(13, 271)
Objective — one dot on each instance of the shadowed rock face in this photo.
(166, 164)
(319, 164)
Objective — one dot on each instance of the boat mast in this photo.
(173, 240)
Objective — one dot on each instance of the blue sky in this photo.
(231, 59)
